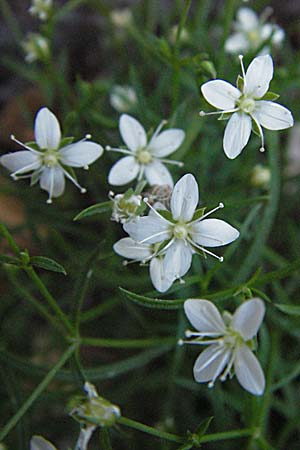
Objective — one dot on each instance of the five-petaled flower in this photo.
(144, 158)
(50, 159)
(230, 342)
(248, 105)
(177, 234)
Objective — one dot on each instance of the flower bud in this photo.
(36, 47)
(41, 9)
(260, 176)
(123, 98)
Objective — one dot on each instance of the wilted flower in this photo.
(50, 158)
(123, 98)
(39, 443)
(230, 342)
(251, 32)
(126, 206)
(144, 158)
(41, 8)
(249, 104)
(260, 176)
(36, 47)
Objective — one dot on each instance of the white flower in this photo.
(39, 443)
(179, 233)
(144, 158)
(126, 206)
(41, 8)
(247, 105)
(229, 343)
(48, 160)
(261, 176)
(123, 98)
(252, 32)
(36, 47)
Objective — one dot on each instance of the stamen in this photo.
(146, 200)
(162, 124)
(228, 368)
(243, 68)
(262, 148)
(220, 258)
(213, 113)
(24, 169)
(88, 136)
(108, 148)
(153, 235)
(171, 161)
(220, 206)
(82, 189)
(12, 136)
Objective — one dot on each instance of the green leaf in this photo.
(166, 214)
(129, 193)
(33, 145)
(202, 428)
(271, 96)
(291, 310)
(9, 260)
(240, 83)
(199, 213)
(66, 141)
(98, 208)
(47, 264)
(154, 303)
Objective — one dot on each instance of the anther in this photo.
(108, 147)
(82, 190)
(202, 113)
(49, 201)
(88, 136)
(221, 205)
(262, 149)
(180, 342)
(221, 259)
(211, 384)
(86, 167)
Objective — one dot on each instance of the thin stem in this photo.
(10, 240)
(128, 343)
(225, 435)
(229, 11)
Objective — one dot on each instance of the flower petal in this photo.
(178, 259)
(156, 173)
(52, 180)
(39, 443)
(258, 76)
(247, 19)
(204, 316)
(213, 233)
(158, 275)
(166, 142)
(80, 154)
(273, 116)
(210, 363)
(248, 318)
(237, 43)
(22, 161)
(185, 198)
(132, 132)
(150, 229)
(123, 171)
(130, 249)
(237, 134)
(248, 371)
(220, 94)
(47, 130)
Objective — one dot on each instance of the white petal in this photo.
(247, 18)
(80, 154)
(132, 132)
(151, 229)
(166, 142)
(52, 180)
(248, 371)
(272, 115)
(204, 316)
(278, 35)
(178, 259)
(220, 94)
(39, 443)
(130, 249)
(21, 162)
(210, 363)
(47, 130)
(185, 198)
(213, 233)
(123, 171)
(158, 275)
(258, 76)
(157, 173)
(248, 318)
(237, 134)
(237, 43)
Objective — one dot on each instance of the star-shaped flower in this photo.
(230, 342)
(249, 105)
(144, 158)
(50, 158)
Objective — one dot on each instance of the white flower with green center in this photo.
(230, 343)
(41, 8)
(144, 159)
(50, 158)
(181, 232)
(123, 98)
(39, 443)
(249, 105)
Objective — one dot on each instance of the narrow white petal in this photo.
(130, 249)
(157, 173)
(248, 371)
(237, 134)
(80, 154)
(21, 162)
(220, 94)
(132, 132)
(213, 233)
(52, 180)
(247, 19)
(46, 129)
(166, 142)
(178, 259)
(151, 229)
(248, 318)
(123, 171)
(210, 363)
(185, 198)
(258, 76)
(278, 35)
(158, 275)
(273, 116)
(237, 43)
(39, 443)
(204, 316)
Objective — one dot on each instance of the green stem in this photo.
(10, 240)
(229, 11)
(36, 393)
(233, 434)
(127, 343)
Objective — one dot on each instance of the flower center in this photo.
(180, 231)
(254, 37)
(50, 159)
(247, 105)
(144, 157)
